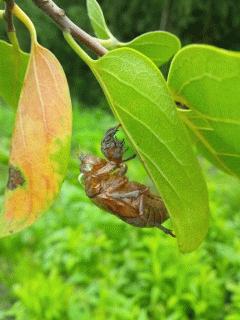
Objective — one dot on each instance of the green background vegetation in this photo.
(78, 262)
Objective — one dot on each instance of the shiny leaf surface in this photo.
(159, 46)
(139, 98)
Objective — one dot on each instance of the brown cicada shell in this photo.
(108, 187)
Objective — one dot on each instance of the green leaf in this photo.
(207, 80)
(139, 97)
(97, 20)
(13, 64)
(159, 46)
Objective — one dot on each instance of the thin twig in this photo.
(8, 15)
(65, 24)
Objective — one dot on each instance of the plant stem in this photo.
(13, 39)
(109, 43)
(8, 15)
(66, 25)
(17, 11)
(75, 46)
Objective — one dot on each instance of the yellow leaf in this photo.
(40, 144)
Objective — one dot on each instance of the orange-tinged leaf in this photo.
(40, 144)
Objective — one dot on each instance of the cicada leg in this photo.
(130, 158)
(167, 231)
(112, 148)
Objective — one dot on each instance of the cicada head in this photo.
(112, 148)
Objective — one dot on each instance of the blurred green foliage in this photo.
(78, 262)
(197, 21)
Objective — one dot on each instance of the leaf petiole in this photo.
(13, 39)
(11, 34)
(21, 15)
(75, 46)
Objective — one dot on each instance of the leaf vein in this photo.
(159, 140)
(39, 93)
(137, 91)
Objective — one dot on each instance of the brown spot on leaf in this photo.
(15, 178)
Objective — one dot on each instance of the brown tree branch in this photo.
(8, 15)
(65, 24)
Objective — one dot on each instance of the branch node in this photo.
(58, 15)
